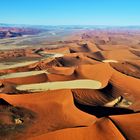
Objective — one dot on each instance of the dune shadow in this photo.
(102, 111)
(4, 103)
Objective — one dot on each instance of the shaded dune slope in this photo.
(46, 120)
(90, 133)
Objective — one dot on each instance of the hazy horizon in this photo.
(28, 24)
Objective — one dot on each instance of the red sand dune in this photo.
(39, 78)
(127, 87)
(8, 88)
(85, 46)
(75, 114)
(128, 67)
(92, 97)
(128, 125)
(61, 70)
(102, 129)
(100, 72)
(75, 59)
(119, 54)
(43, 106)
(64, 50)
(120, 85)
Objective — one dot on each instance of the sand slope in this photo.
(82, 88)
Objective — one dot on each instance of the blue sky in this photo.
(70, 12)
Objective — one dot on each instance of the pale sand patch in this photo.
(74, 84)
(114, 102)
(124, 103)
(58, 55)
(22, 74)
(110, 61)
(21, 64)
(119, 102)
(54, 55)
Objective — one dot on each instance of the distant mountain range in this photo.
(70, 26)
(11, 30)
(14, 30)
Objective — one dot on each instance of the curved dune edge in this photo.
(117, 127)
(74, 84)
(100, 72)
(42, 104)
(130, 67)
(83, 46)
(127, 87)
(128, 125)
(39, 78)
(92, 97)
(80, 72)
(26, 68)
(75, 59)
(61, 70)
(117, 85)
(118, 54)
(28, 65)
(101, 129)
